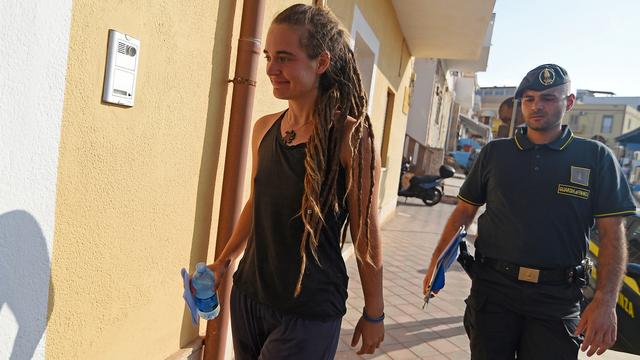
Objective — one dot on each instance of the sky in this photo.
(596, 41)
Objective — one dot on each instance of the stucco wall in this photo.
(422, 102)
(392, 71)
(34, 37)
(135, 185)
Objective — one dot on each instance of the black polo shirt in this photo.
(541, 200)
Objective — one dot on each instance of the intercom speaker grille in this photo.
(126, 49)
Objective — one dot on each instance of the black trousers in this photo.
(509, 319)
(260, 332)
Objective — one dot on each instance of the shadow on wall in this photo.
(24, 284)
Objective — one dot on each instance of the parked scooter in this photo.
(428, 188)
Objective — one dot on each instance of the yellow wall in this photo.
(632, 119)
(135, 185)
(392, 72)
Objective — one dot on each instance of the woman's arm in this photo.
(369, 265)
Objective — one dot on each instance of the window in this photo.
(607, 124)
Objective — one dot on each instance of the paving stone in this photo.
(411, 332)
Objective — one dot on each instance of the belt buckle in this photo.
(528, 274)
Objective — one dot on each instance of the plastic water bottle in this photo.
(206, 298)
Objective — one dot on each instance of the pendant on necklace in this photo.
(289, 136)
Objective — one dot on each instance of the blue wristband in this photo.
(370, 319)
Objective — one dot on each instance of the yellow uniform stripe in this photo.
(593, 248)
(632, 283)
(517, 143)
(616, 213)
(567, 143)
(468, 201)
(629, 281)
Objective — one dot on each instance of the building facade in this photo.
(603, 122)
(589, 97)
(490, 100)
(444, 88)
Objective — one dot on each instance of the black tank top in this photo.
(269, 269)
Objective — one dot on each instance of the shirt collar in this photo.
(523, 143)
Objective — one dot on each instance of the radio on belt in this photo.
(121, 70)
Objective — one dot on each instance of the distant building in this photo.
(490, 99)
(442, 98)
(589, 97)
(603, 122)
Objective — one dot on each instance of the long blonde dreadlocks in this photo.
(341, 94)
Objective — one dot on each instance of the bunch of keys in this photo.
(429, 295)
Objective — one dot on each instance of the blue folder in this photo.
(444, 262)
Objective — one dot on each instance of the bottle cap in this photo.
(201, 267)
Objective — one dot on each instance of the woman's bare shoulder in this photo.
(263, 124)
(267, 121)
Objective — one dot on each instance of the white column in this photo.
(34, 41)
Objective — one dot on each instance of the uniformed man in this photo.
(505, 112)
(543, 190)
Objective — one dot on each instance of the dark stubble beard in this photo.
(548, 124)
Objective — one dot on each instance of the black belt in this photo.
(578, 274)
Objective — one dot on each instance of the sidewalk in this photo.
(413, 333)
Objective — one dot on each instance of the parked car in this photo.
(628, 306)
(466, 152)
(472, 160)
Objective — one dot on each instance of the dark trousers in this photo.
(260, 332)
(508, 319)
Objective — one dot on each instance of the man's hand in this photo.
(427, 278)
(372, 336)
(599, 322)
(599, 325)
(463, 214)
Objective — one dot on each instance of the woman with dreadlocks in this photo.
(314, 171)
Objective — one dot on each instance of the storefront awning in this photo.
(629, 137)
(476, 127)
